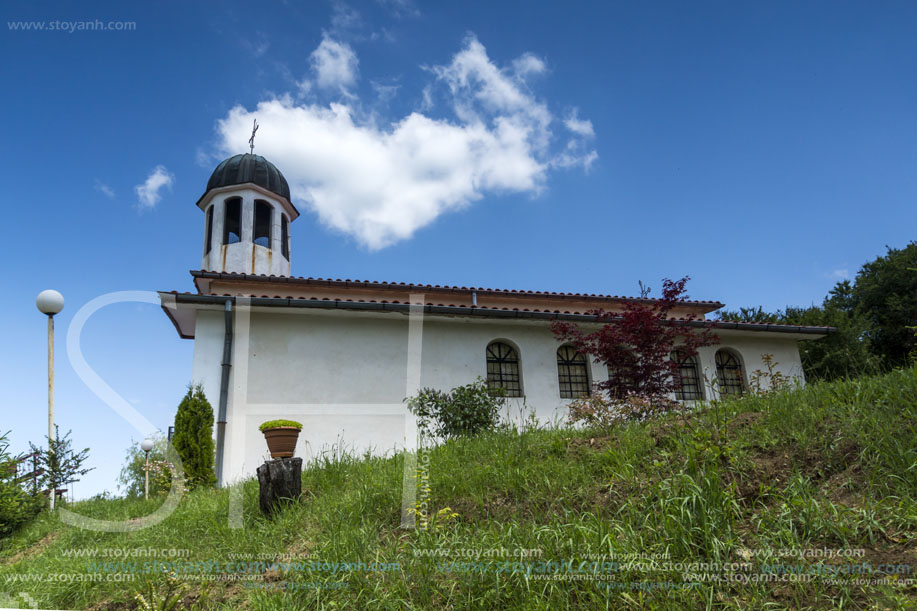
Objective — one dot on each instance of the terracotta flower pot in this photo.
(281, 441)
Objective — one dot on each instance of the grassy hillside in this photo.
(550, 519)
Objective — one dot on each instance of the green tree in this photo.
(875, 316)
(132, 477)
(844, 353)
(193, 438)
(62, 465)
(885, 293)
(17, 506)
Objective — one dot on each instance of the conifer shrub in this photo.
(193, 438)
(17, 506)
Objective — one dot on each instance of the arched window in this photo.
(690, 389)
(261, 235)
(729, 373)
(503, 369)
(232, 221)
(285, 237)
(621, 384)
(572, 373)
(209, 230)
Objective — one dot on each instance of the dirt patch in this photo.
(839, 470)
(494, 505)
(109, 605)
(744, 421)
(672, 426)
(32, 550)
(841, 487)
(898, 557)
(204, 596)
(301, 548)
(592, 443)
(769, 469)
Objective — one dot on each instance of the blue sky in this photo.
(765, 149)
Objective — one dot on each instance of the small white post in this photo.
(146, 446)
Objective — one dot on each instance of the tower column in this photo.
(275, 231)
(248, 218)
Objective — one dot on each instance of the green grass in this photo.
(828, 466)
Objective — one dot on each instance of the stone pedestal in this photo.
(279, 480)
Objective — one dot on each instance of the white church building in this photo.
(340, 356)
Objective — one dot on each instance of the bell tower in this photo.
(247, 216)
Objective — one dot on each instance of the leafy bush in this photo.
(463, 411)
(275, 423)
(16, 506)
(193, 438)
(762, 382)
(597, 411)
(132, 477)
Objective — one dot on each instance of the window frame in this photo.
(504, 361)
(681, 359)
(725, 386)
(568, 387)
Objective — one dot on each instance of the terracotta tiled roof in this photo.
(200, 274)
(277, 300)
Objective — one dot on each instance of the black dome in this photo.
(249, 168)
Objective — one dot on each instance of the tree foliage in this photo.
(637, 343)
(463, 411)
(872, 315)
(17, 506)
(132, 477)
(62, 465)
(193, 438)
(885, 293)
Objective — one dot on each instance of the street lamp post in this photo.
(50, 302)
(146, 445)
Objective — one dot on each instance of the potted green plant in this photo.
(281, 436)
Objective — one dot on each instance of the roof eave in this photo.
(201, 276)
(329, 304)
(210, 193)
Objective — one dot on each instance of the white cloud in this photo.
(400, 8)
(148, 193)
(104, 189)
(334, 64)
(384, 92)
(382, 182)
(840, 274)
(472, 77)
(579, 126)
(343, 17)
(528, 64)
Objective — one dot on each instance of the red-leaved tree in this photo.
(637, 344)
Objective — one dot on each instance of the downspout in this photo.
(224, 390)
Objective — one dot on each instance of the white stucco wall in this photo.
(344, 374)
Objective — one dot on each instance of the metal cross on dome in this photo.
(251, 141)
